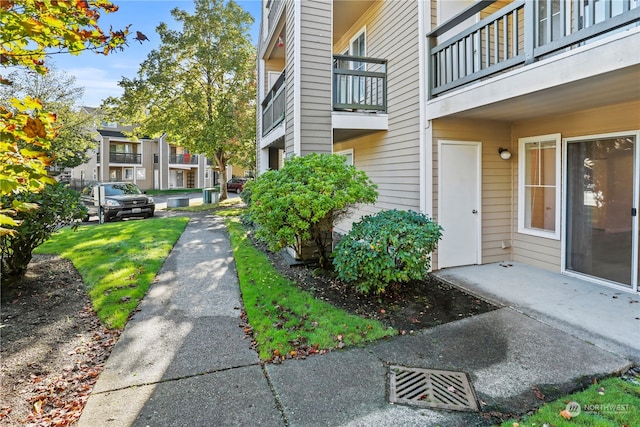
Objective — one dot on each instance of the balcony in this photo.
(519, 34)
(183, 159)
(275, 10)
(125, 158)
(273, 106)
(359, 84)
(359, 96)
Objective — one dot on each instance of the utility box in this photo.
(210, 195)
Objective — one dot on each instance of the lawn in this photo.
(286, 321)
(613, 402)
(117, 261)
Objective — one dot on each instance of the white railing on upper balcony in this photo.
(519, 34)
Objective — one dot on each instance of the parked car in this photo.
(236, 184)
(121, 200)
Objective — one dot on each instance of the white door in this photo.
(459, 184)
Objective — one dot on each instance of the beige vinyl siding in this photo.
(496, 207)
(542, 252)
(315, 80)
(391, 158)
(290, 11)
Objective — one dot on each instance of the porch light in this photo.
(505, 154)
(280, 42)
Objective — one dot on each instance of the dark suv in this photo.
(121, 200)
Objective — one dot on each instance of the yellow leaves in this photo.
(30, 27)
(37, 406)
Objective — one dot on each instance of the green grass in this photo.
(284, 318)
(117, 261)
(613, 402)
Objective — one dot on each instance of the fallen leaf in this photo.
(565, 414)
(37, 407)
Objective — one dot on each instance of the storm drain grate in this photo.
(431, 389)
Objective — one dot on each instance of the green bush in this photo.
(56, 206)
(387, 248)
(300, 202)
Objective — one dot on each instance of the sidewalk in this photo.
(183, 359)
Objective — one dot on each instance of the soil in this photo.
(407, 308)
(54, 347)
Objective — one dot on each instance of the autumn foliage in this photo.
(32, 30)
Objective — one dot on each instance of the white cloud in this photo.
(98, 84)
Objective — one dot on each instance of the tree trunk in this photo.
(222, 166)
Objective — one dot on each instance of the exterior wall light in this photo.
(505, 154)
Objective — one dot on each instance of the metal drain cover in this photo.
(432, 389)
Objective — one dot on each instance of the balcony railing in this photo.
(519, 34)
(127, 158)
(274, 7)
(273, 106)
(359, 83)
(184, 159)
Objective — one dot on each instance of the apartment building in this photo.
(147, 162)
(515, 124)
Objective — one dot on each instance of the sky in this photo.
(99, 74)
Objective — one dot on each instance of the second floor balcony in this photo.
(519, 34)
(183, 159)
(359, 86)
(124, 158)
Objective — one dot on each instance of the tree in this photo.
(302, 201)
(198, 87)
(31, 31)
(57, 92)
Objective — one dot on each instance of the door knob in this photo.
(474, 211)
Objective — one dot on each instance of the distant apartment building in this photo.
(150, 163)
(515, 124)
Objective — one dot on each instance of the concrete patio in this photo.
(607, 317)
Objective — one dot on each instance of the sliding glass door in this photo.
(601, 208)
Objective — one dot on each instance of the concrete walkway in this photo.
(183, 359)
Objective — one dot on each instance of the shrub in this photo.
(300, 202)
(390, 247)
(56, 206)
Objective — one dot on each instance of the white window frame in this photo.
(522, 142)
(141, 173)
(362, 32)
(348, 154)
(128, 174)
(635, 279)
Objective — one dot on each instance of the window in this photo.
(141, 173)
(128, 174)
(538, 189)
(348, 154)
